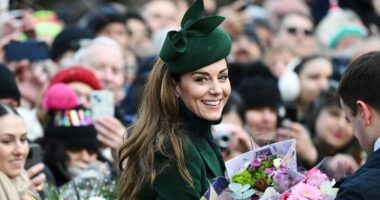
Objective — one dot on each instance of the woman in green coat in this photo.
(170, 153)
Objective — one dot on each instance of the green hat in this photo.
(197, 44)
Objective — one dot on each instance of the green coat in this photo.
(203, 165)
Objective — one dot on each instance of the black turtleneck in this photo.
(200, 127)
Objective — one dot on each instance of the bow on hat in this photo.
(192, 25)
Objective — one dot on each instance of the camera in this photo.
(222, 136)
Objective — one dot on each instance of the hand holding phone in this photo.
(34, 156)
(102, 103)
(31, 50)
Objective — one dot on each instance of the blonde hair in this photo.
(155, 131)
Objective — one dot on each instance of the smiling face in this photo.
(13, 145)
(332, 128)
(206, 90)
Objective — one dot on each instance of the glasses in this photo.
(294, 31)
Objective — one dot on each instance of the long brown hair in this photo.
(155, 131)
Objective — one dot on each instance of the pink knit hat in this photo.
(59, 96)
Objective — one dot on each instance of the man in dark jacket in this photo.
(360, 97)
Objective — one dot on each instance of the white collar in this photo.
(377, 145)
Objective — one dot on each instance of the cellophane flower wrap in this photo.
(264, 173)
(92, 183)
(316, 186)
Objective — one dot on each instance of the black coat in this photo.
(364, 183)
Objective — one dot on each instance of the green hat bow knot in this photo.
(180, 48)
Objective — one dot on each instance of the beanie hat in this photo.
(69, 122)
(8, 86)
(76, 74)
(59, 96)
(68, 39)
(102, 17)
(260, 91)
(197, 44)
(345, 31)
(337, 24)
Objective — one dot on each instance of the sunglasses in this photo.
(294, 31)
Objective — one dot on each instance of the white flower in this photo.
(277, 162)
(327, 188)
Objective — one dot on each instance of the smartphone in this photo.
(34, 156)
(102, 103)
(31, 50)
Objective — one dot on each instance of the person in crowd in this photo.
(230, 134)
(140, 42)
(170, 152)
(32, 69)
(66, 43)
(246, 46)
(339, 30)
(10, 95)
(359, 97)
(332, 135)
(82, 80)
(106, 21)
(297, 30)
(262, 101)
(232, 112)
(105, 58)
(160, 14)
(312, 74)
(277, 58)
(70, 140)
(9, 92)
(14, 181)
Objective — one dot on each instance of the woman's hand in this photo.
(240, 140)
(110, 131)
(341, 165)
(37, 178)
(304, 145)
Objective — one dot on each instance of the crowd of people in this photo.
(182, 74)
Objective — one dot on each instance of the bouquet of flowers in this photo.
(316, 186)
(264, 172)
(90, 184)
(268, 173)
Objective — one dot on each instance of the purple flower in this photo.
(257, 162)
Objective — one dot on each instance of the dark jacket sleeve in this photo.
(350, 193)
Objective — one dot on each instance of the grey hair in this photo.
(82, 55)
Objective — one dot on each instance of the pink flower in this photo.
(297, 197)
(306, 191)
(285, 196)
(315, 177)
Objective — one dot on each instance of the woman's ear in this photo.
(365, 111)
